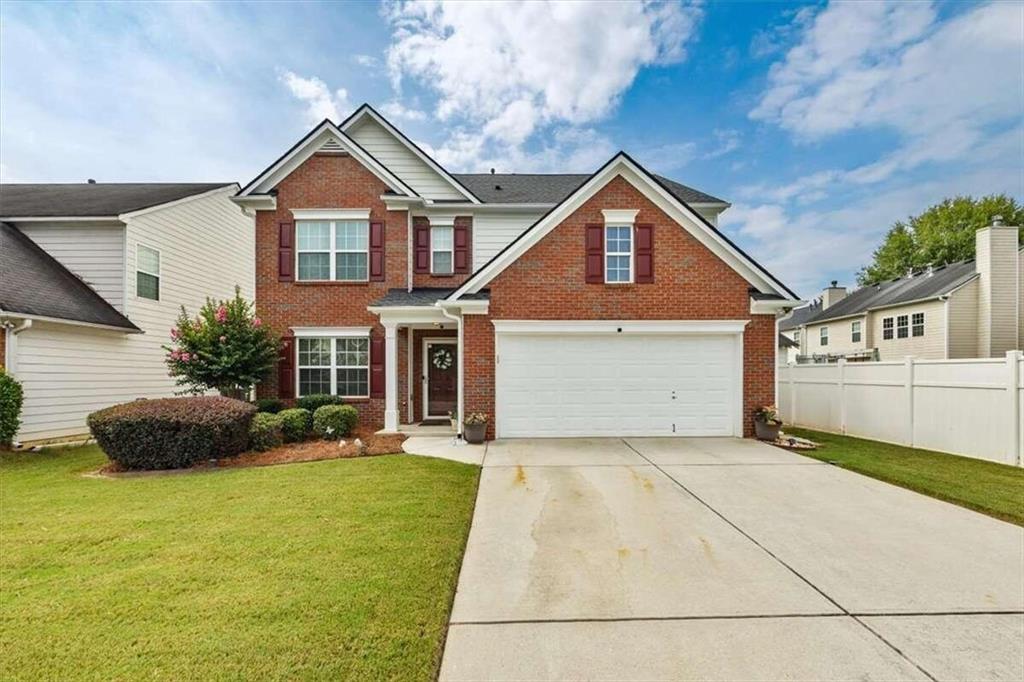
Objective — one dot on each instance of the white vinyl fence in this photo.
(973, 408)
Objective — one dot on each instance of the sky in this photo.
(822, 124)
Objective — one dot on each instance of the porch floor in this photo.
(421, 430)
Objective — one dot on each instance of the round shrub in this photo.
(334, 421)
(10, 408)
(271, 405)
(265, 431)
(171, 433)
(296, 424)
(316, 401)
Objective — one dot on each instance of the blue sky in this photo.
(821, 123)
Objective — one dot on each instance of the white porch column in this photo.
(391, 377)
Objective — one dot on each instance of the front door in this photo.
(442, 378)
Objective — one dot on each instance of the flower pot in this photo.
(474, 433)
(767, 431)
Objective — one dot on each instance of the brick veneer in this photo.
(3, 348)
(451, 281)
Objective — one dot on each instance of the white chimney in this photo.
(832, 294)
(999, 289)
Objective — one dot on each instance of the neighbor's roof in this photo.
(87, 200)
(32, 282)
(536, 188)
(800, 316)
(919, 287)
(786, 342)
(422, 296)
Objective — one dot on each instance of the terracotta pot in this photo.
(766, 431)
(474, 433)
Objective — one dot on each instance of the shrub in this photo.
(316, 401)
(265, 431)
(271, 405)
(334, 421)
(10, 408)
(296, 424)
(172, 432)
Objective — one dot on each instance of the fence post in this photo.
(792, 394)
(909, 379)
(1013, 386)
(841, 365)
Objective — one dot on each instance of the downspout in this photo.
(408, 249)
(11, 351)
(458, 352)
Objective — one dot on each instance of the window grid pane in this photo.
(314, 381)
(917, 324)
(823, 336)
(902, 330)
(314, 352)
(887, 328)
(353, 353)
(149, 260)
(352, 266)
(147, 286)
(352, 235)
(442, 263)
(442, 238)
(314, 236)
(353, 382)
(314, 266)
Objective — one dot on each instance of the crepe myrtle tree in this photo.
(225, 347)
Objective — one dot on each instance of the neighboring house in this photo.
(93, 277)
(559, 305)
(791, 328)
(969, 309)
(785, 346)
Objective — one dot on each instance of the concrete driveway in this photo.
(724, 559)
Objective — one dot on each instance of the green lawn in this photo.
(987, 487)
(340, 569)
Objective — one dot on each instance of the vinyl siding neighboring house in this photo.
(962, 316)
(930, 346)
(840, 337)
(93, 252)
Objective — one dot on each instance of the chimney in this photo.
(998, 264)
(832, 294)
(91, 181)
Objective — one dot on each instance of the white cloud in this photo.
(726, 141)
(320, 102)
(398, 111)
(366, 61)
(668, 157)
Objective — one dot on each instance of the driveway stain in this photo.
(520, 478)
(645, 483)
(705, 544)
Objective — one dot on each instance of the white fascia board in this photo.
(468, 307)
(772, 307)
(73, 323)
(619, 326)
(330, 331)
(406, 315)
(331, 213)
(257, 202)
(61, 219)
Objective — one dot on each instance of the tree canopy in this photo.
(942, 234)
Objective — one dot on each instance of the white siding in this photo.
(494, 231)
(401, 161)
(94, 253)
(930, 346)
(839, 337)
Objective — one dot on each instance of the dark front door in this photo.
(442, 379)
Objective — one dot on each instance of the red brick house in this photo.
(560, 305)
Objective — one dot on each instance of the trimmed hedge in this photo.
(334, 421)
(265, 431)
(270, 405)
(316, 401)
(296, 424)
(11, 397)
(172, 433)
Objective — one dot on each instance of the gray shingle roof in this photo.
(537, 188)
(800, 316)
(93, 199)
(424, 296)
(32, 282)
(921, 286)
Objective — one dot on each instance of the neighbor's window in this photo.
(334, 366)
(887, 329)
(823, 336)
(917, 324)
(618, 253)
(902, 329)
(333, 249)
(855, 331)
(147, 273)
(442, 250)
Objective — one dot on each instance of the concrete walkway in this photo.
(444, 447)
(724, 559)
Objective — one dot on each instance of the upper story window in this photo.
(902, 326)
(917, 324)
(442, 250)
(887, 327)
(333, 250)
(147, 273)
(855, 331)
(618, 253)
(336, 366)
(823, 336)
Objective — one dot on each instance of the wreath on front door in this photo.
(442, 358)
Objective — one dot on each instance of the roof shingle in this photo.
(85, 199)
(552, 188)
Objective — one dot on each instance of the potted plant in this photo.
(453, 418)
(475, 427)
(767, 423)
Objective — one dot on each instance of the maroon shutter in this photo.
(285, 252)
(376, 367)
(421, 240)
(462, 244)
(286, 368)
(376, 252)
(644, 254)
(595, 254)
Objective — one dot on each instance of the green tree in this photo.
(942, 234)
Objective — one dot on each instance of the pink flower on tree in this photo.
(223, 339)
(222, 314)
(175, 354)
(185, 357)
(257, 322)
(175, 333)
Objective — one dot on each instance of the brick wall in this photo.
(3, 348)
(449, 281)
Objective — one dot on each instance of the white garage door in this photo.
(616, 385)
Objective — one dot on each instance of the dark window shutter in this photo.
(462, 237)
(595, 254)
(285, 252)
(644, 254)
(421, 235)
(376, 367)
(286, 368)
(376, 252)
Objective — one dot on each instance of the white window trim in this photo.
(434, 250)
(333, 251)
(632, 239)
(322, 214)
(334, 366)
(903, 326)
(856, 330)
(159, 267)
(912, 325)
(823, 336)
(890, 329)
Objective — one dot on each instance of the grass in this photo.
(987, 487)
(340, 569)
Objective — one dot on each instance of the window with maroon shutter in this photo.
(421, 242)
(595, 254)
(463, 236)
(286, 368)
(285, 252)
(377, 367)
(376, 252)
(644, 254)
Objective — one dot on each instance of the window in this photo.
(887, 329)
(823, 336)
(917, 324)
(147, 273)
(618, 253)
(334, 366)
(340, 247)
(855, 331)
(902, 330)
(441, 250)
